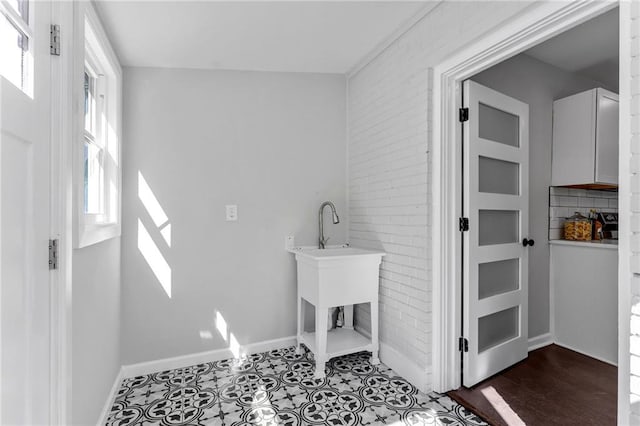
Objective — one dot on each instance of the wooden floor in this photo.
(553, 386)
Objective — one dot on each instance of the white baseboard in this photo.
(540, 341)
(142, 368)
(564, 345)
(403, 366)
(102, 420)
(406, 368)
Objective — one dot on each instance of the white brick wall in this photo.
(389, 165)
(634, 342)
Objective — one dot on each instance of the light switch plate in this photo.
(289, 242)
(232, 212)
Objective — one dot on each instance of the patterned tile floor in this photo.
(278, 388)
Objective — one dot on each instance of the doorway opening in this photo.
(498, 329)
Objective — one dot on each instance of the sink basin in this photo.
(334, 252)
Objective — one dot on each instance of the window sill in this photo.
(92, 234)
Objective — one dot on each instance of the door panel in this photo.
(498, 227)
(495, 199)
(607, 137)
(24, 233)
(498, 277)
(498, 176)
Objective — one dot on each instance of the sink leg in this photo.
(374, 332)
(301, 316)
(374, 358)
(321, 341)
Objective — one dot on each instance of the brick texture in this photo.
(634, 343)
(390, 166)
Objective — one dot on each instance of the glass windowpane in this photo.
(89, 103)
(93, 178)
(498, 277)
(498, 126)
(498, 227)
(498, 328)
(14, 46)
(498, 176)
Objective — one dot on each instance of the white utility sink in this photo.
(337, 276)
(334, 252)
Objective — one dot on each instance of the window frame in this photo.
(94, 52)
(95, 135)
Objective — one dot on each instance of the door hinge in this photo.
(463, 344)
(463, 224)
(54, 40)
(464, 114)
(53, 254)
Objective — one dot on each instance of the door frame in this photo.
(534, 25)
(61, 216)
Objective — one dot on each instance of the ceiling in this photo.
(590, 49)
(297, 36)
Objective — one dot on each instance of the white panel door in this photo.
(496, 202)
(25, 216)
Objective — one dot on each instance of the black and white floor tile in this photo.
(278, 388)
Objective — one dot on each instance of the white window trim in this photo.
(90, 229)
(25, 28)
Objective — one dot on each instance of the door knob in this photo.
(527, 242)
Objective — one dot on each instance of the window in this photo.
(94, 143)
(15, 43)
(97, 167)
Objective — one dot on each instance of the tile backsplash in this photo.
(564, 202)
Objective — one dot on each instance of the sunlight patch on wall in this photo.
(150, 202)
(154, 258)
(206, 335)
(234, 346)
(166, 234)
(223, 329)
(221, 325)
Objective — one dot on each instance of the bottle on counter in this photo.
(596, 225)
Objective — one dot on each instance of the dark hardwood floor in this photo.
(553, 386)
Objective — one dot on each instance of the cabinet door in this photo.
(573, 159)
(607, 137)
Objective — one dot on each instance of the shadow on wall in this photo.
(148, 244)
(152, 248)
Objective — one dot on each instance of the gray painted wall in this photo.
(95, 328)
(272, 143)
(538, 84)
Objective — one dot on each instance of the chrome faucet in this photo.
(322, 240)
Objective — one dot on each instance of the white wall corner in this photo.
(148, 367)
(405, 368)
(104, 415)
(540, 341)
(420, 377)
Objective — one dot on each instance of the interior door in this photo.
(496, 203)
(24, 212)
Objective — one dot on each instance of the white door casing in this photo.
(25, 131)
(496, 202)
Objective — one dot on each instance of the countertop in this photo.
(597, 244)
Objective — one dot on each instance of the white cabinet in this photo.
(584, 298)
(585, 139)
